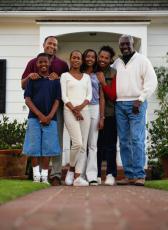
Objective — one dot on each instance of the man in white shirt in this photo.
(136, 81)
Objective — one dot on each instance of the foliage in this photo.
(11, 133)
(155, 170)
(162, 75)
(159, 127)
(157, 184)
(11, 189)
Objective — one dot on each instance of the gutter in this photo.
(83, 14)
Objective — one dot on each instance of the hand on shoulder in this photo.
(101, 78)
(33, 76)
(53, 76)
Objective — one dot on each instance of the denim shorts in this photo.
(41, 140)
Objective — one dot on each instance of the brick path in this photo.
(89, 208)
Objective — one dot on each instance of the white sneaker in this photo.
(36, 178)
(93, 183)
(79, 181)
(110, 180)
(99, 180)
(69, 178)
(45, 180)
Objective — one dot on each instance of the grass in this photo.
(157, 184)
(11, 189)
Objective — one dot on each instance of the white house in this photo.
(78, 24)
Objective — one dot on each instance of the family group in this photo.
(97, 97)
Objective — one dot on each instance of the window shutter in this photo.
(2, 85)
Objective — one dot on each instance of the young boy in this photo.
(41, 140)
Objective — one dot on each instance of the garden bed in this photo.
(12, 164)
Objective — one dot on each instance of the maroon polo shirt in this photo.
(57, 65)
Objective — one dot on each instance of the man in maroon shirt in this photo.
(57, 67)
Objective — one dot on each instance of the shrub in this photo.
(11, 133)
(159, 128)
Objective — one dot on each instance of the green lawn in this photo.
(158, 184)
(11, 189)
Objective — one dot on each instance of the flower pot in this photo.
(165, 167)
(12, 163)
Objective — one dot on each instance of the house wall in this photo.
(18, 43)
(21, 42)
(157, 43)
(157, 39)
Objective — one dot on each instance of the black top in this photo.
(127, 58)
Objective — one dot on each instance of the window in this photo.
(2, 85)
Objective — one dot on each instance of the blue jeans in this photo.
(131, 130)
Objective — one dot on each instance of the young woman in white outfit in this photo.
(76, 95)
(96, 108)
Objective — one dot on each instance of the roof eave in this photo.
(82, 13)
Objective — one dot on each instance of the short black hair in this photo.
(51, 36)
(108, 49)
(43, 55)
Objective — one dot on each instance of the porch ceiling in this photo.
(90, 37)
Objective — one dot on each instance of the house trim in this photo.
(83, 13)
(136, 29)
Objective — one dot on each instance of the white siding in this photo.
(18, 44)
(157, 49)
(158, 44)
(152, 106)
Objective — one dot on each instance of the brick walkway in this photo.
(89, 208)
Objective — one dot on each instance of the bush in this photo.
(11, 133)
(156, 170)
(159, 128)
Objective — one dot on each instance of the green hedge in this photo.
(159, 127)
(12, 133)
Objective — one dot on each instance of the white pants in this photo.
(78, 132)
(91, 165)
